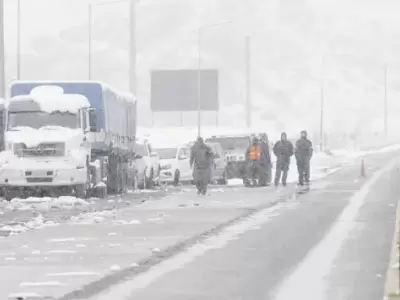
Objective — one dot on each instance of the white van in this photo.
(175, 163)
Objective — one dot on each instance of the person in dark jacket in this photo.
(303, 154)
(283, 150)
(266, 162)
(200, 161)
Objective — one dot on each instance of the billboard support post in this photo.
(2, 53)
(199, 82)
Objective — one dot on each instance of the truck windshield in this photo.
(40, 119)
(166, 153)
(230, 143)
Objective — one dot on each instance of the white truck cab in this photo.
(47, 135)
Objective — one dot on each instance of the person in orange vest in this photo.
(254, 157)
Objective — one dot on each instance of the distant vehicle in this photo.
(73, 137)
(175, 164)
(234, 147)
(147, 165)
(218, 169)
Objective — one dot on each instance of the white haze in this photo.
(354, 38)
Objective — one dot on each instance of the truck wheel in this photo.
(177, 177)
(81, 191)
(143, 185)
(101, 192)
(149, 181)
(223, 180)
(10, 193)
(157, 181)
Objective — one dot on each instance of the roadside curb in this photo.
(392, 285)
(94, 288)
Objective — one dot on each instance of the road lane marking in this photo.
(124, 290)
(308, 281)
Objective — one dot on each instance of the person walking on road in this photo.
(266, 162)
(201, 162)
(303, 154)
(283, 150)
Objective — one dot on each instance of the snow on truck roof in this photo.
(129, 97)
(44, 96)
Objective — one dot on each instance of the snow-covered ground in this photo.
(20, 215)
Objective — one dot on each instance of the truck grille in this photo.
(39, 179)
(42, 150)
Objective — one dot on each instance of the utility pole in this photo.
(199, 82)
(321, 124)
(90, 24)
(2, 53)
(385, 117)
(19, 39)
(248, 83)
(132, 47)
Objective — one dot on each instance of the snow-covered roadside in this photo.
(35, 208)
(21, 215)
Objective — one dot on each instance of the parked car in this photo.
(146, 165)
(218, 170)
(234, 147)
(174, 162)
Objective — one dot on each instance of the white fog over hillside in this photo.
(295, 44)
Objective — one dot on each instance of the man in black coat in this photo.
(283, 150)
(303, 154)
(201, 161)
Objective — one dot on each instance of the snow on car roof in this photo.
(45, 97)
(129, 97)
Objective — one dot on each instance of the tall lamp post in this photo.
(199, 60)
(18, 39)
(385, 112)
(132, 39)
(2, 52)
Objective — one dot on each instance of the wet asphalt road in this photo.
(295, 255)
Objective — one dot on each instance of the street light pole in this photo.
(90, 22)
(321, 125)
(132, 47)
(199, 36)
(2, 52)
(248, 83)
(19, 39)
(199, 82)
(132, 39)
(385, 118)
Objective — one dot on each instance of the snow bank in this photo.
(92, 217)
(35, 223)
(47, 203)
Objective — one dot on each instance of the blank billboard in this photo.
(176, 90)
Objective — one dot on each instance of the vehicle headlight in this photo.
(166, 167)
